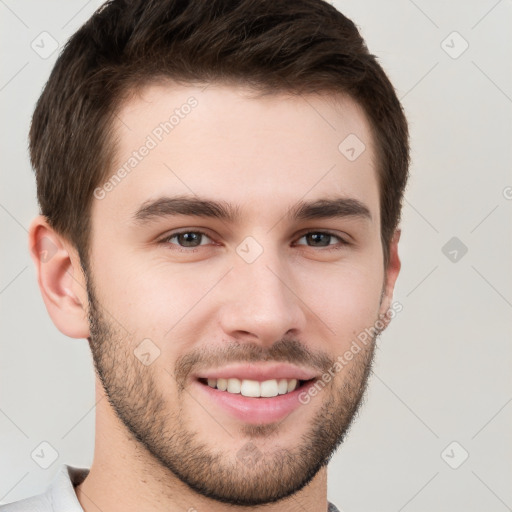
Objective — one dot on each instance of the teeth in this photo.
(250, 388)
(282, 386)
(253, 388)
(292, 384)
(234, 386)
(269, 388)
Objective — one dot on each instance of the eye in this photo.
(322, 239)
(186, 239)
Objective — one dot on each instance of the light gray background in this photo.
(443, 368)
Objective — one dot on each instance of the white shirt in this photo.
(60, 496)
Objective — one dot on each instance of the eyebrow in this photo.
(162, 207)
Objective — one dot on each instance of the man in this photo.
(220, 186)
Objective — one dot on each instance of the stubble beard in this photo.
(166, 434)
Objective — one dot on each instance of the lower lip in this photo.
(255, 410)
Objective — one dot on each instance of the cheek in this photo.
(156, 300)
(346, 299)
(152, 298)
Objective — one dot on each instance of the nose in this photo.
(262, 301)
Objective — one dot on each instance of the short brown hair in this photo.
(302, 46)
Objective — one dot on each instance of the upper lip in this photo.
(258, 371)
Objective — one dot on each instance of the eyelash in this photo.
(167, 239)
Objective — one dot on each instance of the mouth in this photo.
(259, 399)
(255, 393)
(254, 388)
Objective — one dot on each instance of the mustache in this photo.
(285, 350)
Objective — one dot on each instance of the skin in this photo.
(159, 444)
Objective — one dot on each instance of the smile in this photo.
(253, 388)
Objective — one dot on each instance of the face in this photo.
(233, 263)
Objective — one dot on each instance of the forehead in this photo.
(264, 153)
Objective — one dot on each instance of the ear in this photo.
(60, 278)
(391, 274)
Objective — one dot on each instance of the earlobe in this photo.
(392, 271)
(60, 278)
